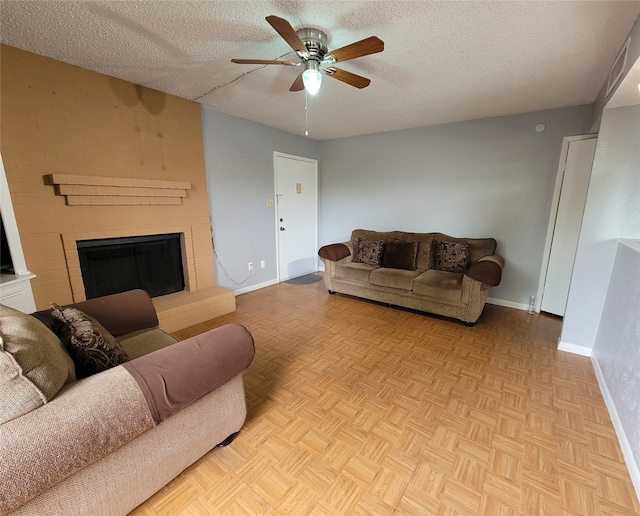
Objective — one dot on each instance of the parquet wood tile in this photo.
(357, 408)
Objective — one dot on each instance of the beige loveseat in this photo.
(430, 272)
(105, 443)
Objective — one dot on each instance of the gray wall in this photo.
(240, 179)
(617, 349)
(612, 211)
(491, 177)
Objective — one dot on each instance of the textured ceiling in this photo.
(443, 61)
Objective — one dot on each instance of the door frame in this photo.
(555, 203)
(277, 154)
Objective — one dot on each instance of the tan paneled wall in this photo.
(61, 119)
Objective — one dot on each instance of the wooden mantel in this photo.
(81, 190)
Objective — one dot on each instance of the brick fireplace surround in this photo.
(90, 156)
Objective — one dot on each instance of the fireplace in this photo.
(151, 262)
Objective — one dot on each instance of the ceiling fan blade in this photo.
(264, 62)
(364, 47)
(297, 85)
(350, 78)
(288, 33)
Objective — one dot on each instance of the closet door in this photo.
(573, 196)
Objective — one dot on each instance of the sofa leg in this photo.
(469, 324)
(227, 441)
(332, 292)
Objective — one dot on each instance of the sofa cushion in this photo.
(33, 364)
(368, 251)
(451, 256)
(393, 278)
(144, 342)
(400, 254)
(355, 271)
(92, 348)
(444, 286)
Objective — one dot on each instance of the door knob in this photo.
(281, 228)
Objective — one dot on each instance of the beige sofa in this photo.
(430, 272)
(105, 443)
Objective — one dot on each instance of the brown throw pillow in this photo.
(92, 348)
(452, 256)
(400, 254)
(369, 251)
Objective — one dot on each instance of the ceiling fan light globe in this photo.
(312, 79)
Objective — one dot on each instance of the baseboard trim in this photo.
(575, 349)
(627, 452)
(508, 304)
(255, 287)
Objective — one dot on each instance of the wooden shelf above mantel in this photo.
(118, 191)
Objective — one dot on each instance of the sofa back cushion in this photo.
(478, 247)
(366, 234)
(424, 258)
(33, 364)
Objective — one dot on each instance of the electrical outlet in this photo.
(250, 266)
(262, 264)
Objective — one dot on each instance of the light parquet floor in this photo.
(361, 409)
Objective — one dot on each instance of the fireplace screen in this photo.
(152, 263)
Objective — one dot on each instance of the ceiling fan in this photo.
(310, 46)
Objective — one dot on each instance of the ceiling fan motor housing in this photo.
(316, 42)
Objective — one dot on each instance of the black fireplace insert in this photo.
(152, 263)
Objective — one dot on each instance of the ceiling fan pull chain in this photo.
(306, 113)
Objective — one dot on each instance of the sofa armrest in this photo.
(487, 270)
(334, 252)
(84, 422)
(176, 376)
(120, 314)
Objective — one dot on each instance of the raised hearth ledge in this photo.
(183, 309)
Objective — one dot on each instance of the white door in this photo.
(573, 195)
(296, 215)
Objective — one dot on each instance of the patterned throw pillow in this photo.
(452, 256)
(92, 348)
(369, 251)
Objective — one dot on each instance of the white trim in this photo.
(554, 212)
(508, 304)
(11, 226)
(627, 452)
(277, 154)
(255, 287)
(575, 349)
(15, 289)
